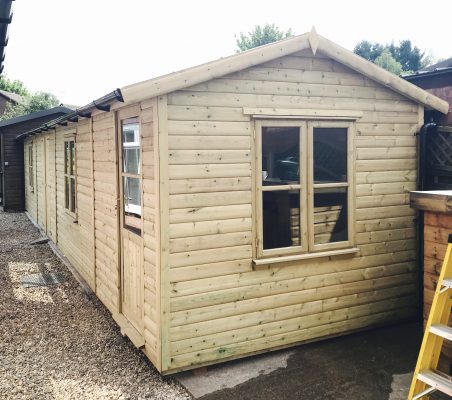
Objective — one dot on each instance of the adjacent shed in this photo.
(436, 213)
(240, 206)
(12, 196)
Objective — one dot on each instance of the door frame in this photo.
(120, 115)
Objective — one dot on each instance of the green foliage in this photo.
(36, 102)
(369, 51)
(14, 86)
(388, 62)
(409, 57)
(42, 101)
(260, 36)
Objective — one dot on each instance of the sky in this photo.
(80, 50)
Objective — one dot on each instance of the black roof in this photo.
(443, 67)
(35, 115)
(5, 19)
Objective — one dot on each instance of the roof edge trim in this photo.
(213, 69)
(116, 95)
(224, 66)
(382, 76)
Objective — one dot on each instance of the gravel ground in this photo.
(55, 343)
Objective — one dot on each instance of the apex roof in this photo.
(311, 40)
(16, 98)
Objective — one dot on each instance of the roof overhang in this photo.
(103, 104)
(5, 19)
(428, 74)
(215, 69)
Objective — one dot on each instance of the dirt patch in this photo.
(55, 343)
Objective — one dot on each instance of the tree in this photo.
(42, 101)
(369, 51)
(15, 86)
(36, 102)
(408, 56)
(260, 36)
(388, 62)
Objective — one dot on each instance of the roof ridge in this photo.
(214, 69)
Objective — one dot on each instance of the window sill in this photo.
(71, 215)
(274, 260)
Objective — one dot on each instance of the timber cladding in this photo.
(222, 308)
(169, 242)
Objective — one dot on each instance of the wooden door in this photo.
(41, 183)
(130, 183)
(50, 202)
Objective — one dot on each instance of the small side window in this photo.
(131, 174)
(70, 196)
(31, 176)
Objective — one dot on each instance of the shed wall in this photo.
(14, 197)
(90, 238)
(219, 307)
(31, 200)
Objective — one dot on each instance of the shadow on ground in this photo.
(372, 365)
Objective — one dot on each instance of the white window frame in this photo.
(137, 143)
(307, 249)
(31, 168)
(70, 175)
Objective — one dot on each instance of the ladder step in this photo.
(447, 283)
(442, 330)
(437, 380)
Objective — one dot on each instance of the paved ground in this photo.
(55, 343)
(373, 365)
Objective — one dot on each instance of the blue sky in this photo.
(82, 49)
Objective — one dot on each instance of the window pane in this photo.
(281, 219)
(132, 195)
(130, 132)
(280, 156)
(66, 157)
(30, 166)
(131, 160)
(330, 215)
(72, 156)
(73, 201)
(330, 155)
(132, 202)
(66, 192)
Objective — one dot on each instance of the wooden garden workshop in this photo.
(240, 206)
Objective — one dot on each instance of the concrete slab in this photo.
(232, 374)
(373, 365)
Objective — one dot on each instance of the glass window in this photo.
(330, 215)
(281, 216)
(70, 194)
(31, 180)
(330, 155)
(281, 219)
(305, 200)
(131, 174)
(280, 156)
